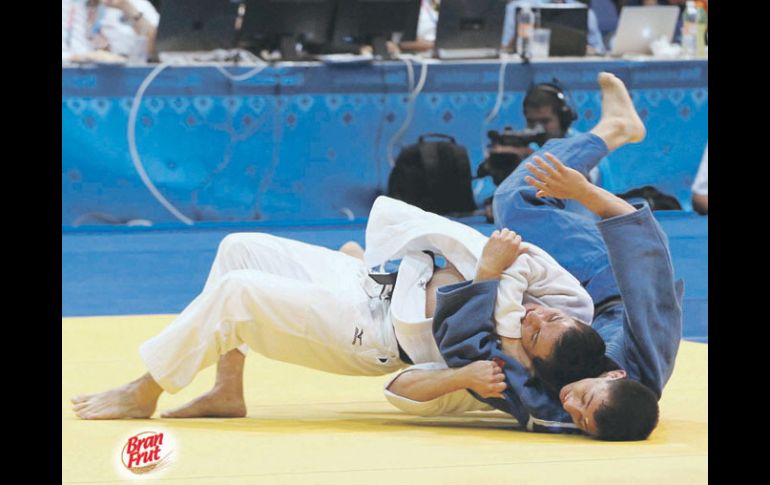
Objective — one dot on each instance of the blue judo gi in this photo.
(623, 262)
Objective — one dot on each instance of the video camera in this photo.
(512, 138)
(502, 160)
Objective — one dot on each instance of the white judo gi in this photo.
(316, 307)
(287, 300)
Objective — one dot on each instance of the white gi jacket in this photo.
(397, 230)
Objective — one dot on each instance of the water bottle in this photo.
(689, 29)
(700, 49)
(525, 24)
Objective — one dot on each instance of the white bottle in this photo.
(700, 50)
(689, 30)
(524, 26)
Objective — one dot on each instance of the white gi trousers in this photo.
(287, 300)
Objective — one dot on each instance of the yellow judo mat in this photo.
(308, 427)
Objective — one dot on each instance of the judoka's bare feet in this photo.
(219, 402)
(225, 400)
(619, 124)
(137, 399)
(352, 248)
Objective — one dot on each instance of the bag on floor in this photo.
(434, 176)
(657, 200)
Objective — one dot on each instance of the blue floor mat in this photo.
(134, 271)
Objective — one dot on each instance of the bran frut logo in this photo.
(146, 452)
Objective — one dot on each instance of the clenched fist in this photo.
(485, 378)
(501, 250)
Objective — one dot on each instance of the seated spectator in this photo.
(426, 28)
(700, 188)
(106, 29)
(595, 42)
(607, 14)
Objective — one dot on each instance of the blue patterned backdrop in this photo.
(310, 142)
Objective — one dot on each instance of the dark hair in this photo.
(578, 354)
(538, 97)
(629, 413)
(551, 94)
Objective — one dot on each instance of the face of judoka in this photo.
(581, 399)
(541, 328)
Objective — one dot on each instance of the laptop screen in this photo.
(640, 26)
(467, 24)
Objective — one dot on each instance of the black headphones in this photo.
(564, 111)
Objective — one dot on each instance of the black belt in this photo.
(384, 278)
(389, 280)
(605, 304)
(402, 354)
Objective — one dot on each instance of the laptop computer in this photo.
(470, 29)
(640, 26)
(568, 23)
(196, 25)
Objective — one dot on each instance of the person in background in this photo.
(426, 28)
(595, 42)
(700, 188)
(107, 29)
(546, 105)
(607, 14)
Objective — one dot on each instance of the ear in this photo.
(615, 374)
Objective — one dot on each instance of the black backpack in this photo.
(434, 176)
(657, 200)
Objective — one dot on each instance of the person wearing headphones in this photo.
(547, 107)
(545, 104)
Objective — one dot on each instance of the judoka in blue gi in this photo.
(617, 251)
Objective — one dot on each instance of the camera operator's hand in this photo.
(558, 180)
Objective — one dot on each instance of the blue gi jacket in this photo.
(642, 333)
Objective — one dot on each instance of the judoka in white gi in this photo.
(315, 307)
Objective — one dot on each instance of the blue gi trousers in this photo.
(563, 228)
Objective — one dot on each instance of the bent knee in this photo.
(244, 242)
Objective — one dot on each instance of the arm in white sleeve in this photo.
(545, 282)
(431, 390)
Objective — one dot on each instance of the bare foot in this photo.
(352, 248)
(225, 400)
(217, 403)
(137, 399)
(619, 124)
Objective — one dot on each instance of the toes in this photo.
(79, 406)
(78, 398)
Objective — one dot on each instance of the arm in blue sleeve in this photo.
(464, 328)
(595, 39)
(509, 24)
(641, 262)
(462, 322)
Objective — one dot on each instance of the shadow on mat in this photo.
(352, 422)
